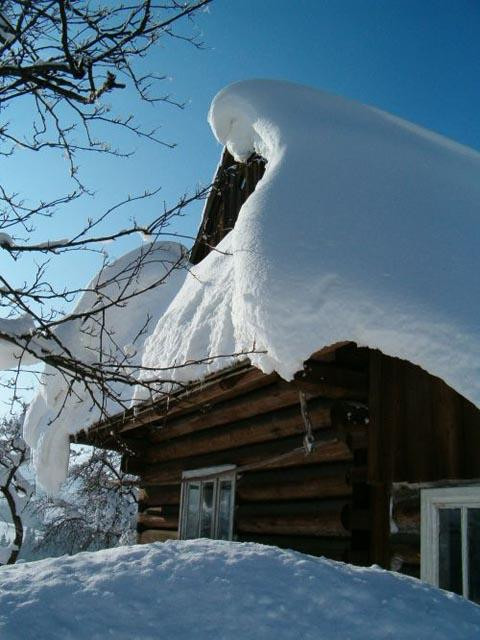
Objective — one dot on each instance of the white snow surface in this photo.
(364, 228)
(12, 353)
(58, 411)
(212, 590)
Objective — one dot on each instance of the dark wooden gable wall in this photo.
(233, 184)
(422, 433)
(422, 430)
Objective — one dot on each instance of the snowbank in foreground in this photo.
(59, 410)
(364, 228)
(222, 590)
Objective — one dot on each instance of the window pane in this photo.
(207, 510)
(473, 528)
(224, 509)
(450, 551)
(192, 509)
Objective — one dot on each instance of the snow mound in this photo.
(59, 409)
(222, 590)
(364, 228)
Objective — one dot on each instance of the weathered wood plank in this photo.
(315, 518)
(264, 454)
(274, 397)
(156, 521)
(334, 548)
(379, 462)
(156, 535)
(323, 481)
(278, 424)
(331, 380)
(203, 397)
(158, 495)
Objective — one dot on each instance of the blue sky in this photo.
(418, 59)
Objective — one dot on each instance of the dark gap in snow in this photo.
(233, 184)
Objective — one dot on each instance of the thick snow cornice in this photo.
(364, 228)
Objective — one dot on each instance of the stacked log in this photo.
(285, 494)
(405, 530)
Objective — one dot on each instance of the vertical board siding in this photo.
(422, 430)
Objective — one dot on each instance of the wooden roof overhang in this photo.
(193, 403)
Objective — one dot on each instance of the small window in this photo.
(450, 544)
(207, 503)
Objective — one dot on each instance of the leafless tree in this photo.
(59, 59)
(14, 487)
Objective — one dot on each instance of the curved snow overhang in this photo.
(364, 227)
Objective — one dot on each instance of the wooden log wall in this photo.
(420, 431)
(316, 503)
(405, 524)
(379, 425)
(404, 540)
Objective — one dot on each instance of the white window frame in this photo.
(208, 474)
(432, 500)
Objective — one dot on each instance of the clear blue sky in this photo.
(418, 59)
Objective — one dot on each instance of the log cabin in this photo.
(362, 457)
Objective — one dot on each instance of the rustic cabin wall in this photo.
(380, 429)
(421, 431)
(425, 430)
(315, 502)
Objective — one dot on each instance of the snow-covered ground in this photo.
(213, 590)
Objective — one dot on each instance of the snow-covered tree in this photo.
(15, 489)
(96, 508)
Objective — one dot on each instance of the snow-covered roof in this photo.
(58, 410)
(212, 589)
(364, 228)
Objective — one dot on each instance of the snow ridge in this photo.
(215, 590)
(364, 228)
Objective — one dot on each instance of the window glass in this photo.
(207, 510)
(450, 550)
(224, 510)
(473, 528)
(192, 509)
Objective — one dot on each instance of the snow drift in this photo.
(222, 590)
(58, 409)
(364, 228)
